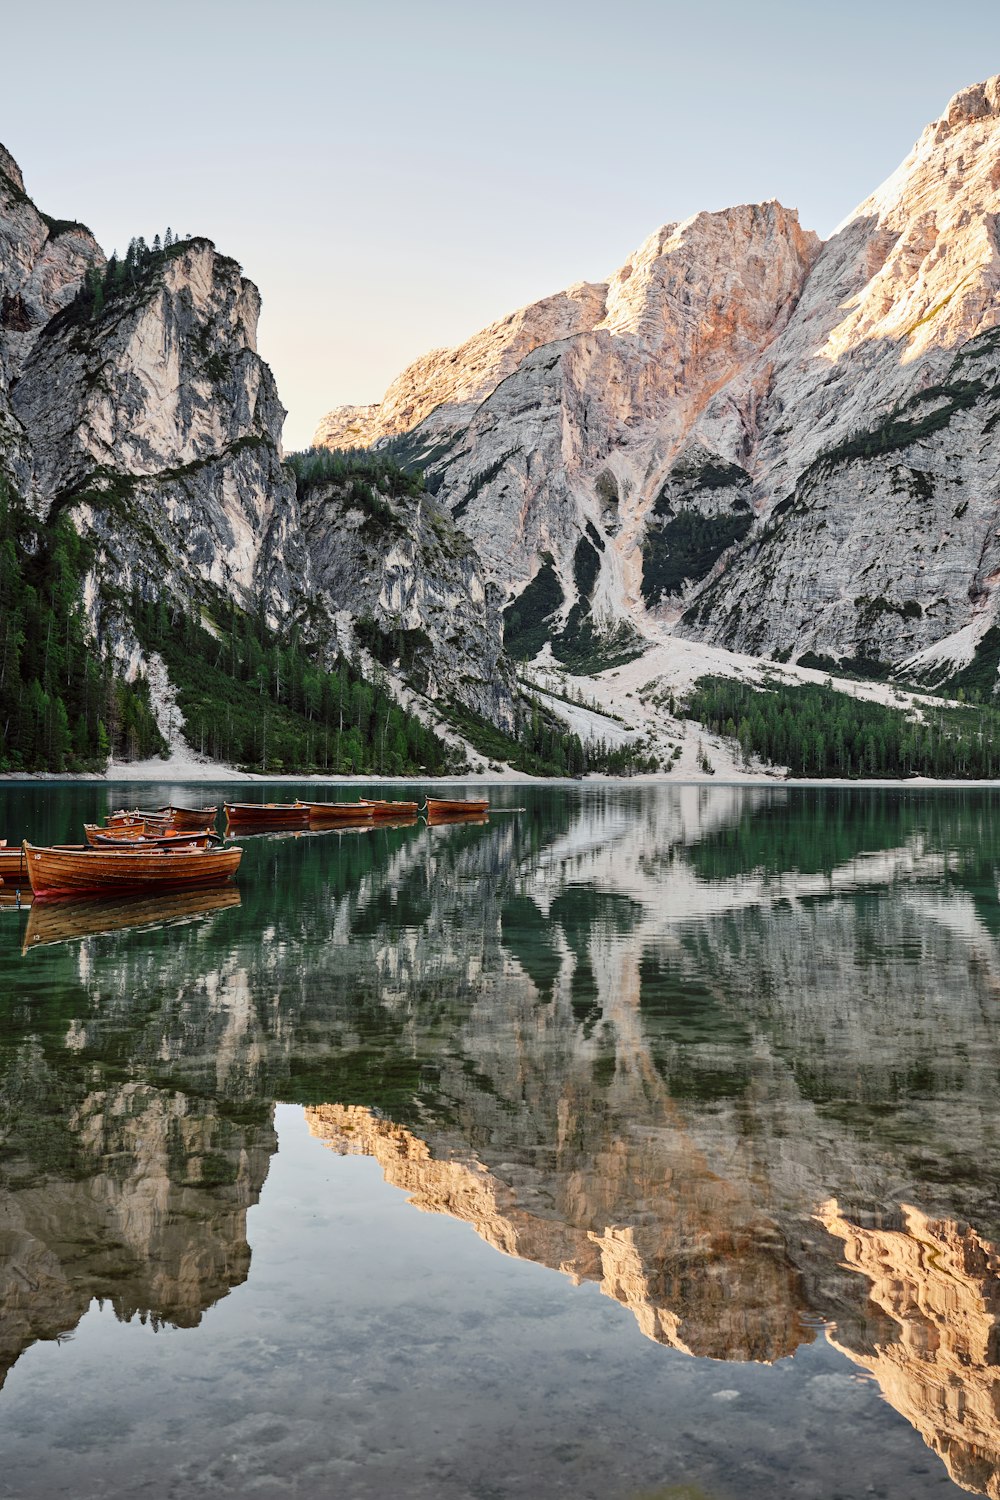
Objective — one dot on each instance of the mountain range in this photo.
(747, 451)
(745, 436)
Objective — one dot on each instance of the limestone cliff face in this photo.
(42, 262)
(821, 417)
(145, 412)
(876, 458)
(141, 408)
(158, 425)
(443, 389)
(416, 592)
(526, 426)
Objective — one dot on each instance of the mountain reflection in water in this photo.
(731, 1054)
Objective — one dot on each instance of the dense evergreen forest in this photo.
(350, 465)
(61, 706)
(253, 699)
(816, 731)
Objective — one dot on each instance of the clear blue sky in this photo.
(395, 175)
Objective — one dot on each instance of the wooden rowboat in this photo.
(331, 812)
(274, 814)
(127, 816)
(451, 807)
(69, 921)
(130, 838)
(72, 871)
(383, 809)
(187, 819)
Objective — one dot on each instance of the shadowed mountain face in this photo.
(645, 1037)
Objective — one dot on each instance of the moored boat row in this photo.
(147, 849)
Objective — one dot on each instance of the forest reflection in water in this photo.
(730, 1055)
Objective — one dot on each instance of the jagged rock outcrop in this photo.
(537, 456)
(772, 445)
(158, 424)
(134, 400)
(42, 262)
(441, 391)
(419, 601)
(877, 458)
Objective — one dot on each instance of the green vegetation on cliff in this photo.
(62, 708)
(253, 698)
(817, 731)
(686, 547)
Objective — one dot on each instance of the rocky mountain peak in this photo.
(973, 103)
(10, 168)
(775, 444)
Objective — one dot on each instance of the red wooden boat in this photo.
(336, 812)
(71, 870)
(191, 819)
(273, 814)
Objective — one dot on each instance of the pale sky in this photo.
(394, 176)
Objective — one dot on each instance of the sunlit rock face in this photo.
(821, 416)
(938, 1282)
(534, 408)
(160, 425)
(150, 420)
(443, 389)
(877, 440)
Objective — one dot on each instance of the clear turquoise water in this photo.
(639, 1142)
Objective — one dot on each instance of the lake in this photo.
(639, 1142)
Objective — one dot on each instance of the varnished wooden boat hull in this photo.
(337, 812)
(382, 809)
(191, 819)
(133, 816)
(62, 872)
(70, 920)
(273, 814)
(131, 838)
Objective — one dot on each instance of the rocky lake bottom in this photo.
(638, 1142)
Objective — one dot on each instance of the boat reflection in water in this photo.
(69, 921)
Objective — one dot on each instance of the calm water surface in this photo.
(642, 1142)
